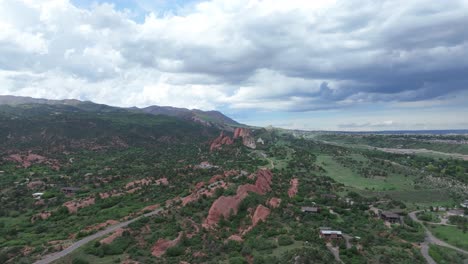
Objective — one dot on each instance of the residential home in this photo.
(390, 217)
(309, 209)
(464, 204)
(70, 190)
(328, 234)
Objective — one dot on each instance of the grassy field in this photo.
(350, 178)
(443, 255)
(451, 235)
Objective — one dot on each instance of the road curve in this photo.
(431, 239)
(57, 255)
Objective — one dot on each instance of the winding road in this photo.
(431, 239)
(57, 255)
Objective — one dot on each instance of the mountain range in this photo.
(206, 118)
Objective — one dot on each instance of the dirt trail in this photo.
(57, 255)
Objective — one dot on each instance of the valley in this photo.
(93, 184)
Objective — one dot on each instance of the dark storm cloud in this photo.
(292, 56)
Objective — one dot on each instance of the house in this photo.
(37, 195)
(308, 209)
(464, 204)
(70, 190)
(390, 217)
(327, 233)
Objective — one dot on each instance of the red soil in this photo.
(141, 182)
(162, 181)
(274, 202)
(236, 238)
(117, 233)
(28, 160)
(162, 245)
(101, 225)
(293, 189)
(73, 206)
(43, 216)
(35, 184)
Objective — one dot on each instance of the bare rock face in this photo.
(293, 189)
(117, 233)
(227, 205)
(162, 245)
(260, 214)
(35, 185)
(274, 202)
(247, 138)
(220, 141)
(73, 206)
(30, 159)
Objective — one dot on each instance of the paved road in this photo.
(55, 256)
(431, 239)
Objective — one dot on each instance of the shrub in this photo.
(79, 261)
(285, 240)
(175, 251)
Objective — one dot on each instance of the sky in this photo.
(312, 65)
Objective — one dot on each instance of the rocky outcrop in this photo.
(30, 159)
(101, 225)
(220, 141)
(117, 233)
(293, 189)
(247, 139)
(162, 181)
(42, 216)
(35, 185)
(274, 202)
(162, 245)
(260, 214)
(73, 206)
(236, 238)
(227, 205)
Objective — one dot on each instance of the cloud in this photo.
(296, 56)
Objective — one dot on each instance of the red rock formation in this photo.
(101, 225)
(293, 189)
(150, 208)
(260, 214)
(73, 206)
(262, 184)
(28, 160)
(35, 184)
(43, 216)
(199, 254)
(225, 205)
(274, 202)
(236, 238)
(197, 193)
(141, 182)
(162, 245)
(117, 233)
(162, 181)
(199, 185)
(216, 178)
(220, 141)
(247, 139)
